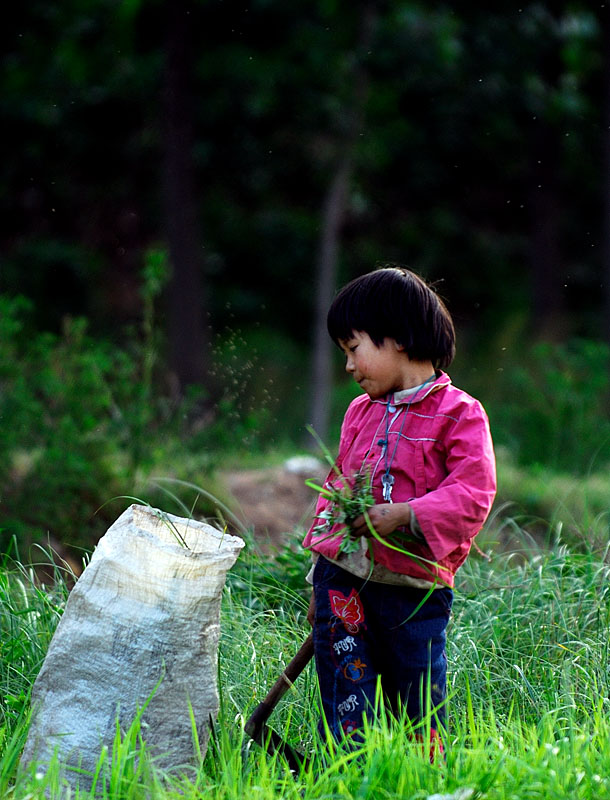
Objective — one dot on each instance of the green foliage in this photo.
(551, 407)
(29, 613)
(273, 580)
(84, 420)
(529, 632)
(77, 413)
(142, 409)
(547, 503)
(346, 503)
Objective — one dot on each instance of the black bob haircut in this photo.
(396, 303)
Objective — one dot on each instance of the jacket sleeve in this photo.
(347, 433)
(454, 512)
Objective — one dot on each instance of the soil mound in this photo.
(275, 501)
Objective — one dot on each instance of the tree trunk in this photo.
(333, 214)
(189, 346)
(332, 219)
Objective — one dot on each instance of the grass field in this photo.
(528, 658)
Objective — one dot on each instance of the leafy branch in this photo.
(347, 502)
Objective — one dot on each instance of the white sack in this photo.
(146, 609)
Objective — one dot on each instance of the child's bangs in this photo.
(358, 307)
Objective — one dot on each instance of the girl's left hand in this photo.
(385, 518)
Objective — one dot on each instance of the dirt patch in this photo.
(274, 501)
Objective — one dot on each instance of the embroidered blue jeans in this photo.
(364, 630)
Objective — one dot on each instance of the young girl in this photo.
(380, 606)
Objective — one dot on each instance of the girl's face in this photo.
(377, 370)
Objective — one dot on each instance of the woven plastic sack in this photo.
(141, 626)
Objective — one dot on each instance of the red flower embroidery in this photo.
(349, 726)
(348, 609)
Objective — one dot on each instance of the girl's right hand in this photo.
(385, 518)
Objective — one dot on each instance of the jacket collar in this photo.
(408, 397)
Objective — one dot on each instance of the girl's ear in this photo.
(400, 347)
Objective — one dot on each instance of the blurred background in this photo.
(186, 184)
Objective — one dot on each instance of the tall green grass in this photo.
(528, 685)
(29, 613)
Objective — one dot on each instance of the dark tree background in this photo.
(275, 150)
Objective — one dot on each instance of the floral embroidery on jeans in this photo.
(347, 609)
(349, 726)
(354, 670)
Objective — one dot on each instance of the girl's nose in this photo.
(349, 364)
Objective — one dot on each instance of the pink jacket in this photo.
(444, 468)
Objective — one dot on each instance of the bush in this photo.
(551, 407)
(75, 418)
(84, 421)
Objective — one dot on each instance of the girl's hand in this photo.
(385, 518)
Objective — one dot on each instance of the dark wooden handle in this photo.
(255, 725)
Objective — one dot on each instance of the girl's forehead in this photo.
(355, 336)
